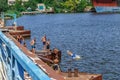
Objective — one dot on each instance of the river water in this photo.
(95, 37)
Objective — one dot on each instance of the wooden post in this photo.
(92, 78)
(69, 73)
(76, 72)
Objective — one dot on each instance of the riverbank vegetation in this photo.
(59, 6)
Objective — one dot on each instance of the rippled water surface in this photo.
(95, 37)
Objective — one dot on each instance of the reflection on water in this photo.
(95, 37)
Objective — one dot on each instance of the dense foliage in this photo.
(57, 5)
(3, 5)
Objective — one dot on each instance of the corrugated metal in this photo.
(104, 3)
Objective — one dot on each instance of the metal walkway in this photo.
(18, 61)
(0, 70)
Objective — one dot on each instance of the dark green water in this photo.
(95, 37)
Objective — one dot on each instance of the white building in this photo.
(41, 7)
(11, 2)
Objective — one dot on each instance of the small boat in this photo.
(15, 31)
(23, 33)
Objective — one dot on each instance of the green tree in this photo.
(81, 6)
(70, 5)
(3, 5)
(39, 1)
(31, 3)
(48, 2)
(19, 6)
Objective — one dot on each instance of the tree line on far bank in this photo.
(59, 6)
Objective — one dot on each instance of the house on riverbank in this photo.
(42, 8)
